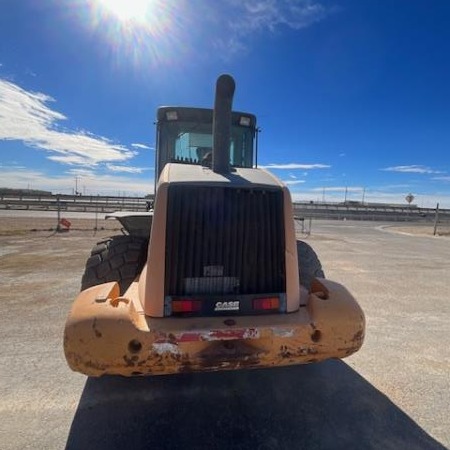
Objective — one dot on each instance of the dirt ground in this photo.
(31, 250)
(394, 393)
(21, 243)
(10, 226)
(422, 230)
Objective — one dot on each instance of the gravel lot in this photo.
(394, 393)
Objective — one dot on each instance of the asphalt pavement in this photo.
(393, 394)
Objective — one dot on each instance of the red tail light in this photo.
(265, 304)
(186, 306)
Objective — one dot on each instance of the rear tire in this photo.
(119, 258)
(309, 265)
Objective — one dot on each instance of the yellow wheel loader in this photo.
(213, 278)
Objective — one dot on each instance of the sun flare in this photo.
(142, 32)
(127, 10)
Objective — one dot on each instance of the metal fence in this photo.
(303, 211)
(372, 211)
(74, 203)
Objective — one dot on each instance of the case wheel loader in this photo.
(213, 278)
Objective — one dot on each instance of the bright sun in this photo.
(126, 10)
(142, 30)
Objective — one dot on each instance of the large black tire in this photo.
(309, 266)
(119, 258)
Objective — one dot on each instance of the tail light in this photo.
(186, 306)
(264, 304)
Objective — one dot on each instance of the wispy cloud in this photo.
(338, 189)
(373, 196)
(410, 169)
(25, 116)
(393, 187)
(295, 166)
(293, 182)
(81, 172)
(127, 169)
(142, 146)
(270, 14)
(90, 183)
(249, 17)
(446, 178)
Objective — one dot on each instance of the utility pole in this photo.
(364, 194)
(96, 215)
(58, 206)
(436, 220)
(345, 196)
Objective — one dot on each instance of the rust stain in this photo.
(286, 352)
(358, 336)
(98, 334)
(172, 339)
(210, 335)
(129, 362)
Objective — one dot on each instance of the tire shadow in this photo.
(318, 406)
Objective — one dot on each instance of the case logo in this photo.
(227, 306)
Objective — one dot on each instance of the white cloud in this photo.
(295, 166)
(394, 187)
(127, 169)
(292, 182)
(25, 116)
(374, 196)
(257, 15)
(447, 178)
(338, 189)
(247, 17)
(410, 169)
(143, 146)
(81, 172)
(229, 47)
(68, 159)
(90, 183)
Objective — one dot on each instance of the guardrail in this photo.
(74, 203)
(302, 210)
(381, 212)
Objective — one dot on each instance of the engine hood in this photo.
(200, 175)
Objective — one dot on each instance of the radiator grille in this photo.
(224, 240)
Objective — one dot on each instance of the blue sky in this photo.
(353, 97)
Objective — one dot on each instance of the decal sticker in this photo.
(227, 306)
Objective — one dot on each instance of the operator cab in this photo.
(185, 136)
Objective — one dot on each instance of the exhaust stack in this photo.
(223, 105)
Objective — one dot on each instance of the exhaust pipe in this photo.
(223, 105)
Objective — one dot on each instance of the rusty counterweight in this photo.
(110, 334)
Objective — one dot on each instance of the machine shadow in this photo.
(326, 405)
